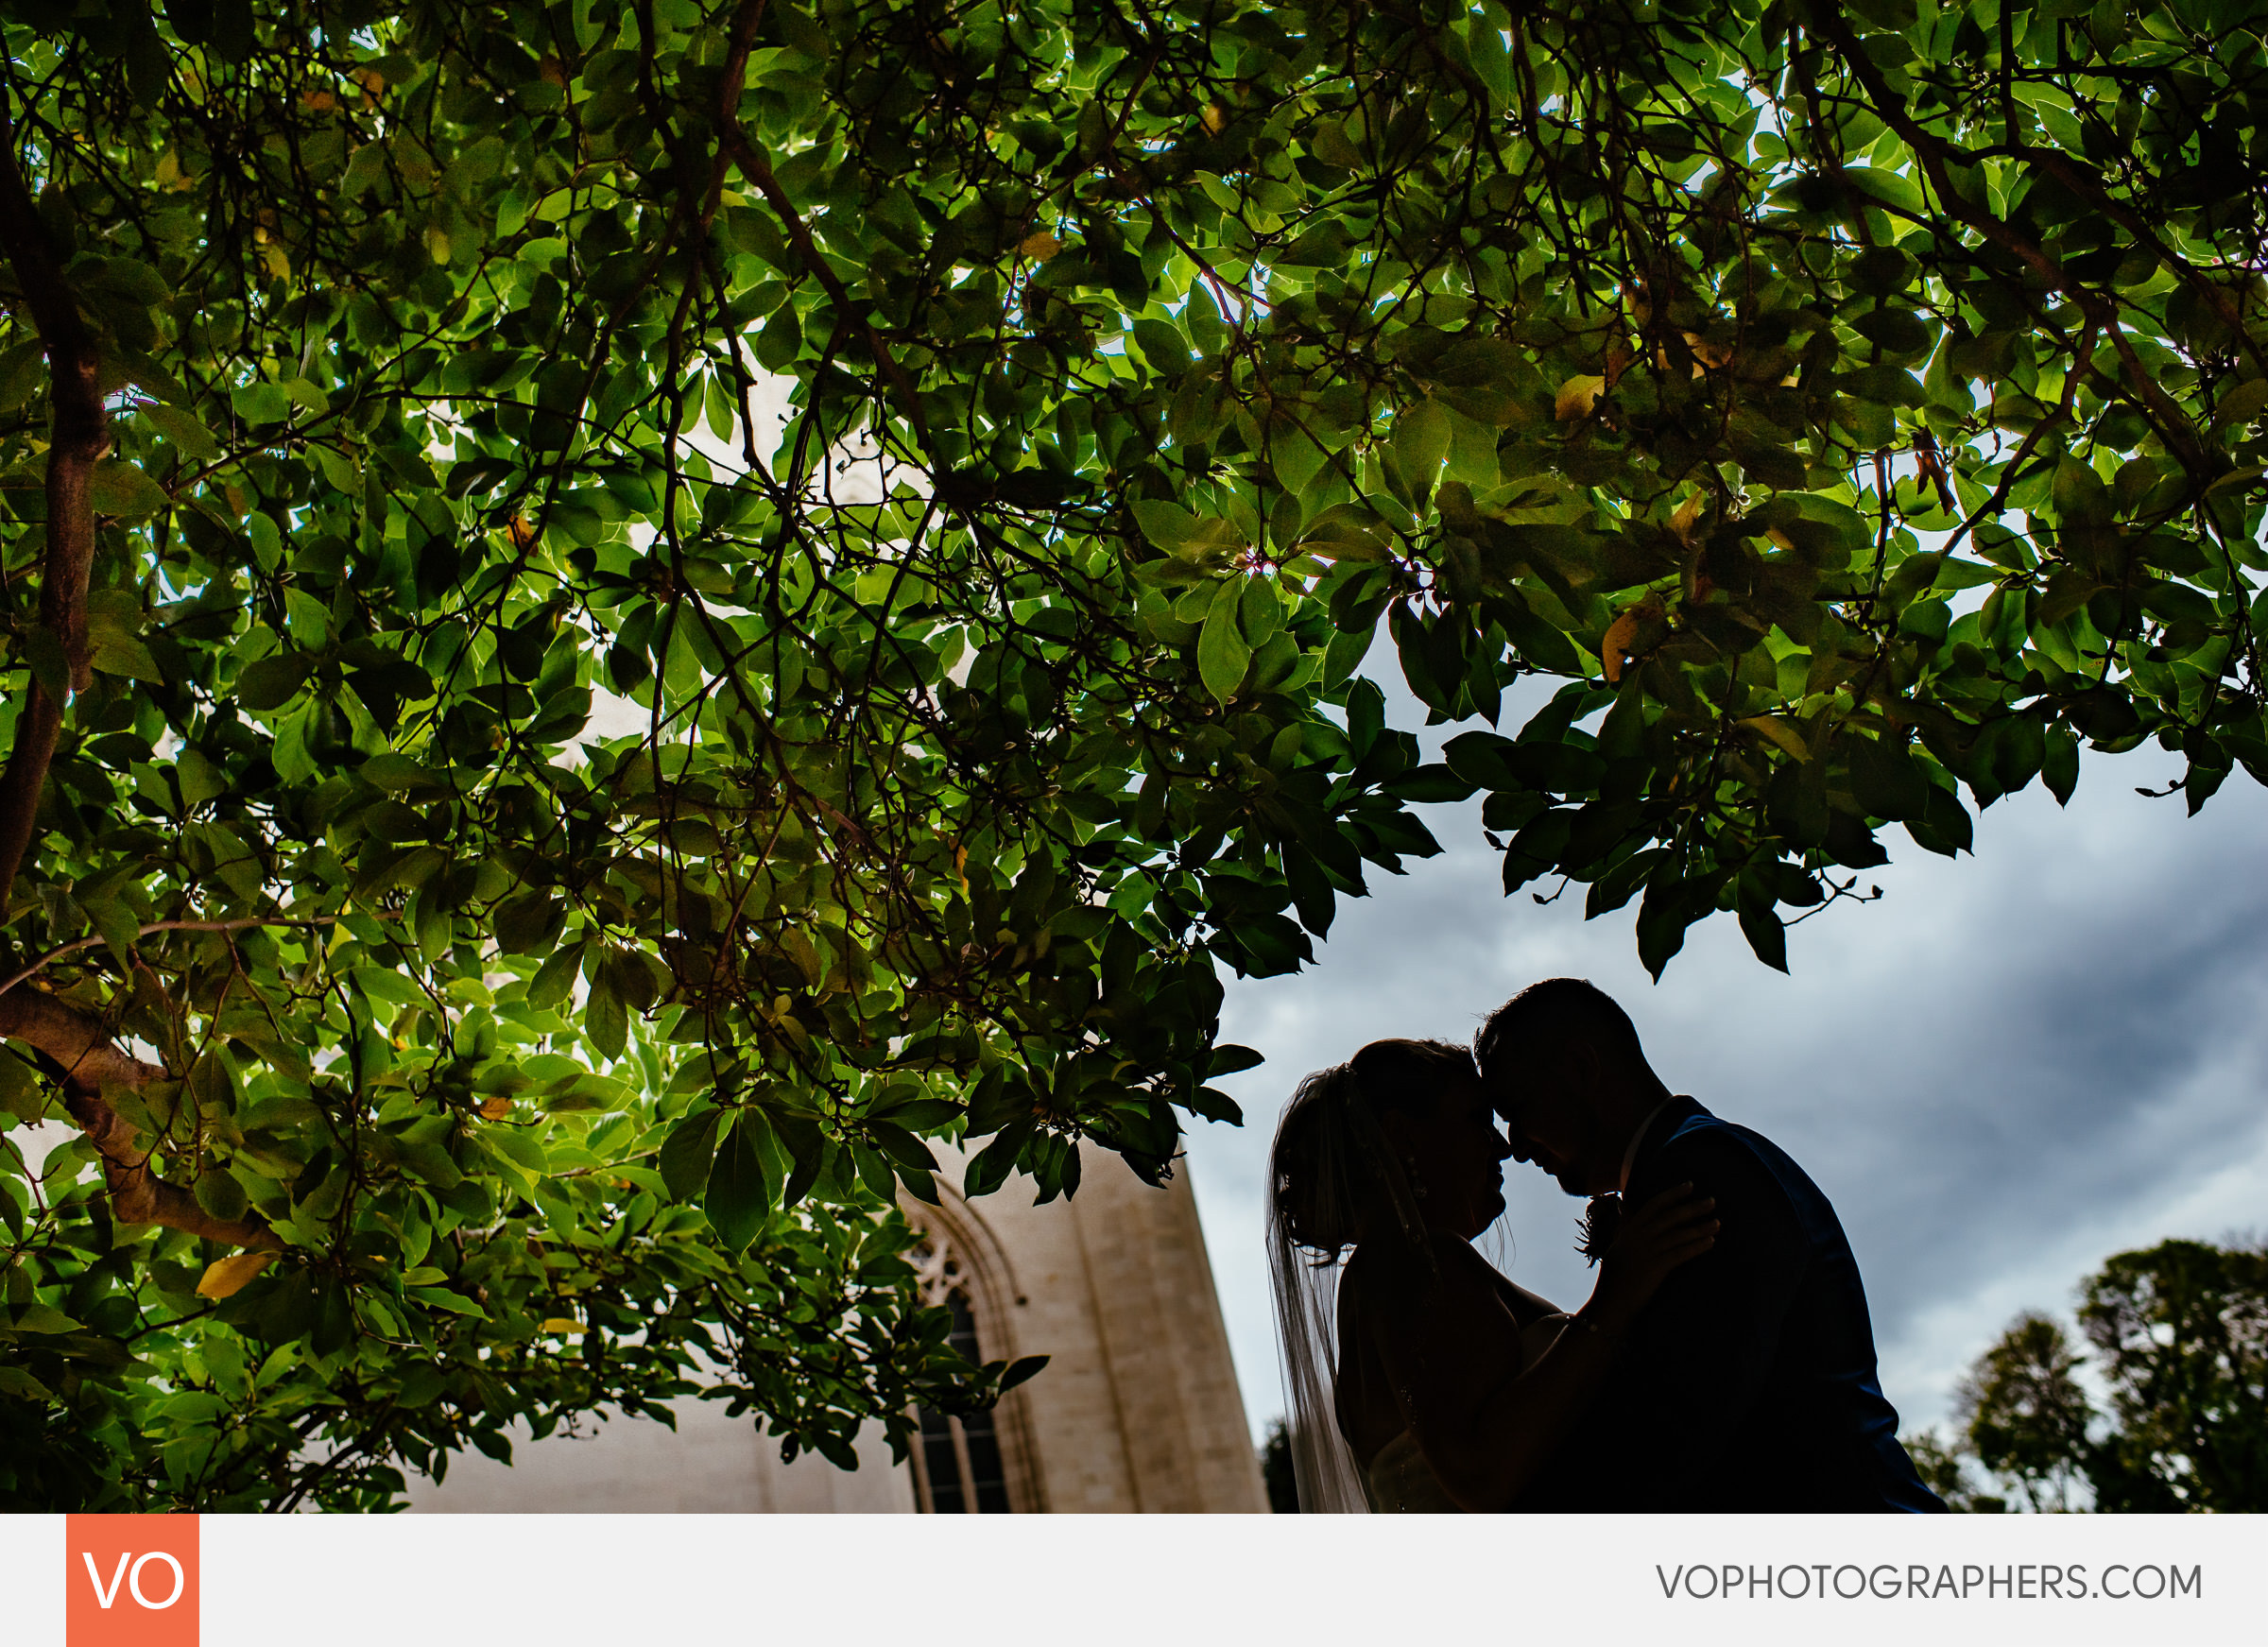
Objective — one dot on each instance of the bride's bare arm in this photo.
(1484, 1423)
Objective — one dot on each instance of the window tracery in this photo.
(958, 1467)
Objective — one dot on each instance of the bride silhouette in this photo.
(1420, 1378)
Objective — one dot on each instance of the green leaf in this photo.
(739, 1194)
(1168, 525)
(43, 653)
(1899, 331)
(1260, 614)
(126, 657)
(606, 1019)
(2080, 498)
(1345, 654)
(442, 1298)
(262, 402)
(20, 1096)
(22, 370)
(1662, 920)
(528, 923)
(1885, 779)
(115, 920)
(118, 487)
(555, 978)
(518, 1145)
(1228, 1058)
(1760, 924)
(1421, 437)
(1221, 653)
(902, 1146)
(196, 442)
(780, 340)
(2241, 404)
(219, 1194)
(688, 1153)
(271, 682)
(2059, 762)
(44, 1319)
(201, 781)
(1023, 1371)
(996, 1160)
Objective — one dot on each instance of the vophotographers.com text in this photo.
(1916, 1581)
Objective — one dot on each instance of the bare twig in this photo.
(156, 926)
(758, 170)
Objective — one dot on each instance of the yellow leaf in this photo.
(496, 1108)
(1688, 512)
(1576, 398)
(1213, 118)
(1616, 646)
(1779, 732)
(562, 1324)
(437, 244)
(226, 1277)
(1040, 246)
(320, 102)
(1708, 353)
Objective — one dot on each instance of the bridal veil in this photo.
(1329, 1159)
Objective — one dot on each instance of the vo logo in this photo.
(131, 1580)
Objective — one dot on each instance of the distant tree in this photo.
(1943, 1472)
(2025, 1417)
(2180, 1339)
(2180, 1332)
(1276, 1469)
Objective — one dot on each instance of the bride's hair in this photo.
(1330, 1155)
(1329, 1167)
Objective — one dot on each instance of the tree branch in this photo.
(81, 1044)
(758, 170)
(1933, 153)
(79, 438)
(43, 962)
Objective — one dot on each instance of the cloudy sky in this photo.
(2009, 1067)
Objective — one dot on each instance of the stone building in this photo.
(1137, 1409)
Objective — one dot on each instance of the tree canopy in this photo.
(1838, 407)
(2179, 1336)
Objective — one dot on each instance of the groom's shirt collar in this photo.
(1630, 1154)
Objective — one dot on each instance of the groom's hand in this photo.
(1673, 1229)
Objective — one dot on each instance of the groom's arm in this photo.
(1696, 1361)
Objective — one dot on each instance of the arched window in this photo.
(958, 1468)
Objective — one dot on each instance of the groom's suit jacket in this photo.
(1749, 1382)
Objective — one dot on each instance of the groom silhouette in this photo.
(1749, 1382)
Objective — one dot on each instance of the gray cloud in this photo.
(2009, 1067)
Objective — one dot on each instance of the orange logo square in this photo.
(131, 1580)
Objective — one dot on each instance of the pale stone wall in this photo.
(1137, 1409)
(709, 1465)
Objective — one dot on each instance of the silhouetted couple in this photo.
(1723, 1360)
